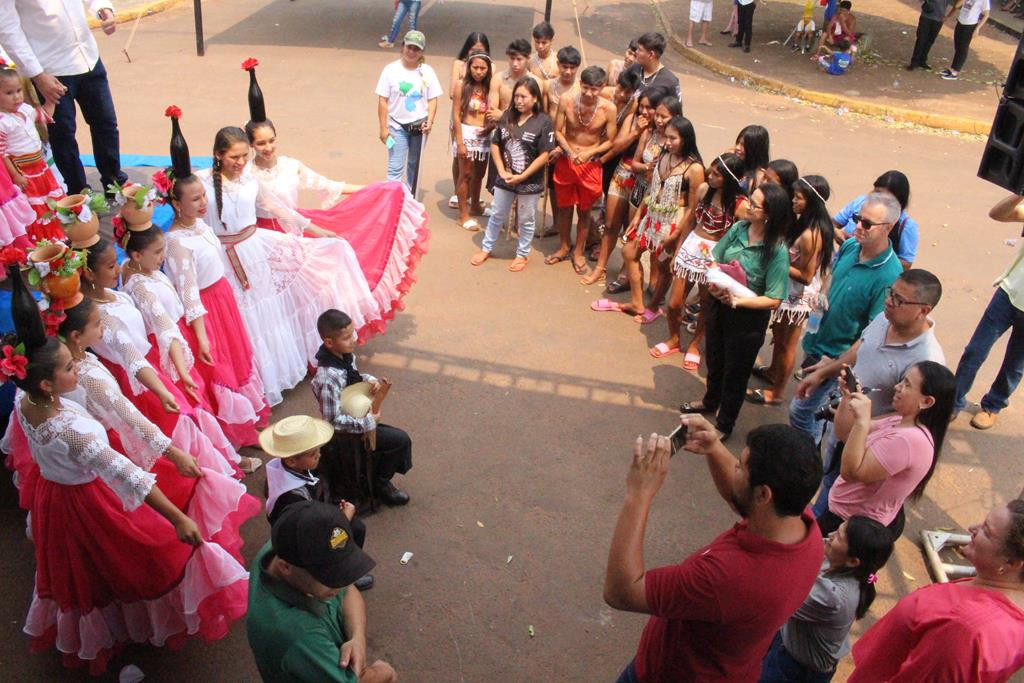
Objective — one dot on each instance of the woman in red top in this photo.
(967, 630)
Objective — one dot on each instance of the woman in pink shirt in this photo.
(970, 630)
(890, 459)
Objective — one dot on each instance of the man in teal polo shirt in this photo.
(865, 267)
(303, 625)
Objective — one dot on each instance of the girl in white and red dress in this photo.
(282, 282)
(116, 561)
(194, 262)
(384, 224)
(22, 152)
(126, 351)
(164, 314)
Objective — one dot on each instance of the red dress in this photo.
(20, 141)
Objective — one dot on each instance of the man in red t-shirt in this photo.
(713, 616)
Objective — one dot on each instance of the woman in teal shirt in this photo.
(736, 326)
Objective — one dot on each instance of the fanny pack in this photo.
(414, 128)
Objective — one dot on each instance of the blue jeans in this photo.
(802, 410)
(404, 156)
(780, 667)
(999, 316)
(92, 92)
(829, 478)
(526, 205)
(410, 7)
(628, 674)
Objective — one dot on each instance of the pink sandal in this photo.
(648, 316)
(691, 362)
(661, 350)
(606, 306)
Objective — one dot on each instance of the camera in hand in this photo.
(678, 438)
(828, 411)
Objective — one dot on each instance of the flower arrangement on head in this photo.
(76, 208)
(55, 269)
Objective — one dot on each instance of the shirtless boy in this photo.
(500, 96)
(569, 60)
(584, 130)
(542, 64)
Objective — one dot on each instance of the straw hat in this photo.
(356, 399)
(294, 435)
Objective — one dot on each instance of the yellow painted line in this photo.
(940, 121)
(135, 12)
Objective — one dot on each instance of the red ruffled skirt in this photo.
(387, 229)
(106, 577)
(193, 430)
(41, 186)
(235, 390)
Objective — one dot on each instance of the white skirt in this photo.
(799, 303)
(292, 280)
(693, 258)
(478, 147)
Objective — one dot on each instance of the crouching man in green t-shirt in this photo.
(303, 624)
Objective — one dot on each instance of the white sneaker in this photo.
(453, 201)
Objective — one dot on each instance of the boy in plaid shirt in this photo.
(356, 439)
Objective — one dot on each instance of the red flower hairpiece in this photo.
(173, 111)
(12, 256)
(162, 183)
(13, 364)
(120, 230)
(250, 64)
(52, 318)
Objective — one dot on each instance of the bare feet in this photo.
(595, 275)
(479, 257)
(518, 263)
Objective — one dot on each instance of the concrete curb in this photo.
(940, 121)
(133, 13)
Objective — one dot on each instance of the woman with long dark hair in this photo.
(736, 325)
(816, 637)
(475, 42)
(471, 147)
(888, 460)
(810, 260)
(522, 141)
(753, 146)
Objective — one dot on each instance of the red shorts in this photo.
(577, 185)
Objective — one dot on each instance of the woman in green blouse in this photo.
(736, 326)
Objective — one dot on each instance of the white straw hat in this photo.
(294, 435)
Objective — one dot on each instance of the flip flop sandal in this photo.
(691, 362)
(453, 202)
(581, 269)
(471, 225)
(555, 258)
(757, 396)
(617, 287)
(606, 306)
(517, 264)
(649, 316)
(761, 372)
(661, 350)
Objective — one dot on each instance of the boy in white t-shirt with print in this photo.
(407, 93)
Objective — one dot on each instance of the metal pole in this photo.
(547, 10)
(197, 8)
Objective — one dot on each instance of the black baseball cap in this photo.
(318, 538)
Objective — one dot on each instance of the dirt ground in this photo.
(521, 401)
(877, 74)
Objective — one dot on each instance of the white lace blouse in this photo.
(99, 394)
(71, 448)
(241, 199)
(161, 309)
(289, 175)
(194, 261)
(123, 341)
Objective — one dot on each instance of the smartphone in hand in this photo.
(678, 438)
(852, 383)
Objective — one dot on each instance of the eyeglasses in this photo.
(865, 223)
(898, 300)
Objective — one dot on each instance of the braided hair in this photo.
(225, 138)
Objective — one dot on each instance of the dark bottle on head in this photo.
(257, 111)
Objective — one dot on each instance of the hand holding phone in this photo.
(389, 142)
(852, 383)
(677, 439)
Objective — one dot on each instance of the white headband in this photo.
(731, 174)
(811, 187)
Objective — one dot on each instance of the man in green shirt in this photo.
(865, 267)
(303, 625)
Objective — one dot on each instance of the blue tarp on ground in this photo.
(147, 160)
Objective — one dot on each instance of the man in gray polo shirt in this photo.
(900, 336)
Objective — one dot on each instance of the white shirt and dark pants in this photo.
(53, 36)
(966, 25)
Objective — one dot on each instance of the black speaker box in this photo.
(1003, 160)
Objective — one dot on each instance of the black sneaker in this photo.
(948, 75)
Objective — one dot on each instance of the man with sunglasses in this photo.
(865, 267)
(1005, 311)
(901, 336)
